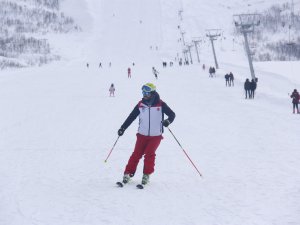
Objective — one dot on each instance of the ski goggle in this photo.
(146, 88)
(146, 93)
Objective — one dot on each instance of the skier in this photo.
(213, 70)
(180, 62)
(129, 72)
(247, 88)
(203, 66)
(252, 88)
(151, 110)
(87, 65)
(210, 70)
(231, 79)
(112, 90)
(155, 72)
(295, 96)
(227, 79)
(100, 65)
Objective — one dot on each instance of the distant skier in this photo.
(253, 86)
(210, 71)
(180, 62)
(247, 88)
(129, 72)
(112, 90)
(87, 65)
(227, 79)
(231, 79)
(100, 65)
(155, 72)
(151, 110)
(295, 96)
(203, 66)
(213, 70)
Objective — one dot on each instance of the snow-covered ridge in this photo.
(24, 25)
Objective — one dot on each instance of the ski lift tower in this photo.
(245, 23)
(186, 58)
(182, 36)
(189, 46)
(213, 34)
(196, 42)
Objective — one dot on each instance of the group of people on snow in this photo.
(151, 111)
(100, 65)
(211, 71)
(229, 79)
(165, 64)
(250, 88)
(112, 87)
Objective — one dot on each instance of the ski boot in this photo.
(145, 179)
(127, 177)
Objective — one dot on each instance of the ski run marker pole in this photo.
(185, 152)
(111, 149)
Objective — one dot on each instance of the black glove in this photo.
(166, 123)
(121, 131)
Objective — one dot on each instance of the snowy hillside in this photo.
(24, 28)
(58, 124)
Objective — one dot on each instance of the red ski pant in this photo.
(145, 145)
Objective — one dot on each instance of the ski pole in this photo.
(185, 152)
(112, 149)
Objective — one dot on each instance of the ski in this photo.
(140, 186)
(120, 184)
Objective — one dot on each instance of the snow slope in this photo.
(57, 125)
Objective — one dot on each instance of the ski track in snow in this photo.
(58, 125)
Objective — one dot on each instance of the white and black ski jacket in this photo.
(150, 116)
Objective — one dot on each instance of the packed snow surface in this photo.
(58, 124)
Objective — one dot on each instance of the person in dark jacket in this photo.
(226, 79)
(213, 70)
(151, 110)
(295, 96)
(231, 79)
(210, 71)
(247, 88)
(252, 88)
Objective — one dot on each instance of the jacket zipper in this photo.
(149, 121)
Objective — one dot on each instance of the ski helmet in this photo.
(148, 88)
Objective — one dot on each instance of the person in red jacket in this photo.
(151, 110)
(295, 96)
